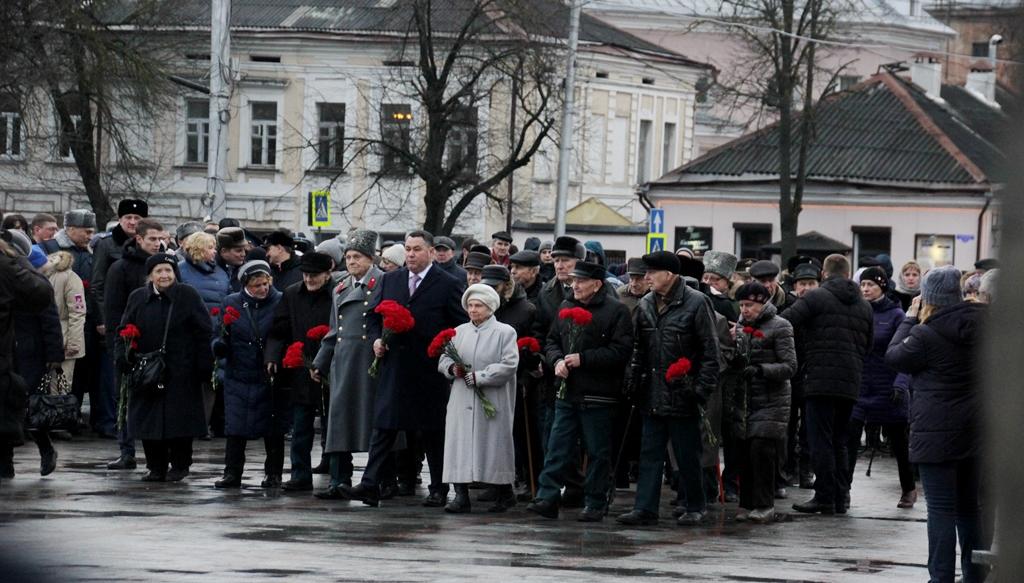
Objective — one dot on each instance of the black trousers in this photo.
(160, 452)
(234, 455)
(408, 462)
(758, 461)
(828, 419)
(383, 441)
(897, 434)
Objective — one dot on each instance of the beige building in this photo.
(303, 77)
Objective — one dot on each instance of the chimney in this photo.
(926, 73)
(981, 81)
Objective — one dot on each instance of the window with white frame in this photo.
(668, 149)
(462, 146)
(396, 135)
(10, 130)
(263, 133)
(331, 141)
(197, 130)
(644, 147)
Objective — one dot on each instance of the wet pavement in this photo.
(84, 522)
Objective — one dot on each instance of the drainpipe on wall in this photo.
(641, 193)
(981, 220)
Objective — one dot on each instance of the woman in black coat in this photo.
(938, 345)
(168, 420)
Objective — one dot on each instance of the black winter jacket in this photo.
(39, 341)
(685, 329)
(298, 312)
(125, 276)
(286, 274)
(835, 325)
(764, 412)
(604, 348)
(946, 409)
(106, 252)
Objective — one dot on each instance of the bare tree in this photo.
(459, 62)
(779, 81)
(90, 80)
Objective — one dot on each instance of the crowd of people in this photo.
(539, 374)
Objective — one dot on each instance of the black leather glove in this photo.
(752, 371)
(221, 349)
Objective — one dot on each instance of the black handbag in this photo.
(52, 406)
(147, 373)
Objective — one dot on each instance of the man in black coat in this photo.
(280, 247)
(525, 268)
(126, 275)
(592, 367)
(23, 290)
(412, 396)
(672, 322)
(835, 325)
(109, 248)
(305, 305)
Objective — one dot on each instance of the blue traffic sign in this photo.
(656, 224)
(655, 242)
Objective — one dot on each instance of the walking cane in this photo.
(871, 460)
(618, 458)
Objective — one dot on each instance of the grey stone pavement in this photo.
(84, 522)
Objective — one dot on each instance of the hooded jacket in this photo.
(946, 412)
(69, 297)
(836, 325)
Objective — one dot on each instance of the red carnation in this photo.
(758, 334)
(397, 320)
(438, 344)
(85, 284)
(579, 316)
(214, 312)
(231, 315)
(678, 369)
(528, 344)
(317, 333)
(130, 331)
(293, 356)
(748, 330)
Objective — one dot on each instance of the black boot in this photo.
(505, 498)
(460, 505)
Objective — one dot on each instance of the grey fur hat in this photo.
(83, 218)
(720, 263)
(363, 241)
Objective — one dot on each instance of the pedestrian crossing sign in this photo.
(320, 208)
(655, 242)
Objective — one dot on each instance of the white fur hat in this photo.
(481, 292)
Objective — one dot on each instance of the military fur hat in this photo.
(720, 263)
(83, 218)
(566, 246)
(363, 241)
(132, 206)
(230, 238)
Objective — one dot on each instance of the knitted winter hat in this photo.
(941, 287)
(483, 293)
(395, 254)
(877, 276)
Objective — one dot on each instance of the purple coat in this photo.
(875, 404)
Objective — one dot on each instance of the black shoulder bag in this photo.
(147, 374)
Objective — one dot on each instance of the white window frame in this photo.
(201, 135)
(259, 95)
(12, 120)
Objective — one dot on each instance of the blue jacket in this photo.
(946, 406)
(876, 404)
(251, 408)
(209, 280)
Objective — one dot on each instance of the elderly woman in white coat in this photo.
(478, 448)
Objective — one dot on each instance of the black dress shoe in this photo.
(638, 518)
(324, 467)
(271, 481)
(506, 499)
(47, 462)
(368, 495)
(387, 491)
(331, 493)
(590, 514)
(152, 476)
(435, 500)
(460, 504)
(406, 489)
(125, 462)
(297, 486)
(545, 508)
(176, 475)
(814, 506)
(228, 481)
(490, 494)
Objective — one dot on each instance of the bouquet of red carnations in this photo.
(442, 344)
(678, 370)
(397, 320)
(577, 319)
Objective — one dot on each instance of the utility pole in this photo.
(565, 142)
(220, 115)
